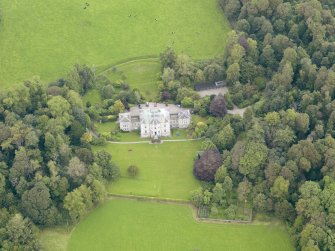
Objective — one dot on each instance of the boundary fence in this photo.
(180, 202)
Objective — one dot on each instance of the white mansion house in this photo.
(154, 120)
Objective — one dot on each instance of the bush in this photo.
(230, 212)
(133, 171)
(214, 211)
(197, 197)
(101, 141)
(115, 173)
(230, 104)
(107, 92)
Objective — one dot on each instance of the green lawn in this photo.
(140, 74)
(55, 239)
(165, 169)
(137, 226)
(93, 96)
(108, 127)
(46, 37)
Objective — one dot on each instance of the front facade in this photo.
(154, 120)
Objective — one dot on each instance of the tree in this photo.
(37, 205)
(302, 123)
(309, 203)
(81, 79)
(59, 106)
(244, 191)
(262, 5)
(233, 73)
(243, 25)
(225, 139)
(259, 203)
(168, 75)
(218, 194)
(267, 58)
(107, 91)
(280, 188)
(272, 119)
(253, 159)
(213, 72)
(77, 170)
(185, 69)
(218, 106)
(23, 167)
(168, 58)
(207, 144)
(86, 137)
(109, 170)
(221, 174)
(50, 146)
(21, 234)
(207, 197)
(74, 99)
(312, 235)
(197, 197)
(78, 202)
(206, 166)
(132, 171)
(79, 115)
(85, 155)
(99, 192)
(305, 155)
(283, 138)
(280, 43)
(231, 8)
(76, 132)
(187, 102)
(236, 54)
(227, 186)
(31, 140)
(284, 211)
(186, 92)
(118, 107)
(199, 76)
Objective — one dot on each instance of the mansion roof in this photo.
(144, 111)
(171, 108)
(154, 116)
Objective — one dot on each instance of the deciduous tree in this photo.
(218, 106)
(206, 166)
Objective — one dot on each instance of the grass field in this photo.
(137, 226)
(55, 239)
(140, 74)
(46, 37)
(165, 169)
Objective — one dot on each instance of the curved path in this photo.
(129, 62)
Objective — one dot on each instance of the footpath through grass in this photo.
(47, 37)
(165, 170)
(137, 226)
(141, 74)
